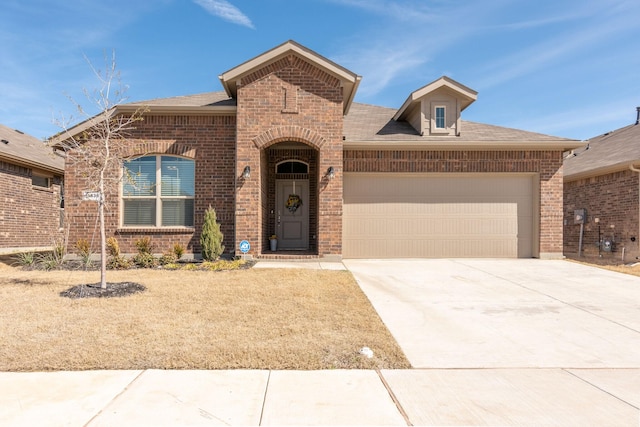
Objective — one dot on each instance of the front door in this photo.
(292, 214)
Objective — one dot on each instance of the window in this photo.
(292, 166)
(40, 181)
(440, 113)
(158, 191)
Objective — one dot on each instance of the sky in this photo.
(568, 68)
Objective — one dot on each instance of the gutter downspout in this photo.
(632, 168)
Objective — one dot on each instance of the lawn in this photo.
(242, 319)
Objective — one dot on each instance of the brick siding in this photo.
(29, 215)
(210, 140)
(613, 198)
(289, 100)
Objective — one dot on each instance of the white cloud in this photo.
(225, 10)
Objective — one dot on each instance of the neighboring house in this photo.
(603, 181)
(284, 150)
(30, 193)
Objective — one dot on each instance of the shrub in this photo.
(211, 237)
(178, 250)
(167, 258)
(144, 245)
(84, 251)
(26, 259)
(113, 248)
(145, 260)
(49, 261)
(116, 261)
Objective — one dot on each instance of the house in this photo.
(30, 193)
(284, 150)
(601, 196)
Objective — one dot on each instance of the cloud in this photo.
(225, 10)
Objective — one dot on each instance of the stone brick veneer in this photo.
(547, 163)
(29, 215)
(613, 198)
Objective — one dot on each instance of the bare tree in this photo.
(93, 144)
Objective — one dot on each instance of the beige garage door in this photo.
(439, 216)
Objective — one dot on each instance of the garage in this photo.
(389, 215)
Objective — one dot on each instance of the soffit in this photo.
(349, 80)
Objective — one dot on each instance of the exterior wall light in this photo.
(331, 172)
(246, 173)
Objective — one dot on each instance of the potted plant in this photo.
(273, 242)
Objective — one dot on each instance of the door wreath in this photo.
(293, 202)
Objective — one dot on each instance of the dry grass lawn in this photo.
(253, 319)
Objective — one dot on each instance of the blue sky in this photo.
(568, 68)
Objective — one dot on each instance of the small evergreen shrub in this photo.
(211, 237)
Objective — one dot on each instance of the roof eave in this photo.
(32, 164)
(604, 170)
(465, 145)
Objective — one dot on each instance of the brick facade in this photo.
(289, 100)
(548, 164)
(614, 199)
(289, 107)
(209, 139)
(29, 215)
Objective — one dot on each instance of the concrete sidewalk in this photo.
(534, 397)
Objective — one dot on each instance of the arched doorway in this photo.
(292, 197)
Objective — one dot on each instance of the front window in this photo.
(158, 191)
(440, 113)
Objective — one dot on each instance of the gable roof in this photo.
(19, 148)
(463, 93)
(369, 126)
(611, 152)
(349, 80)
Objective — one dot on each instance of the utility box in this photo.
(579, 216)
(607, 245)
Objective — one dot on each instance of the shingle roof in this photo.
(371, 123)
(19, 148)
(611, 151)
(208, 99)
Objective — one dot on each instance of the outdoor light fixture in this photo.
(246, 173)
(331, 172)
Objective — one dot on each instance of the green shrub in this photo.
(49, 261)
(167, 258)
(211, 237)
(26, 259)
(118, 263)
(145, 260)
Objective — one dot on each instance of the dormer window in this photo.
(439, 117)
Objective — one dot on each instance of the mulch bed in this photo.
(121, 289)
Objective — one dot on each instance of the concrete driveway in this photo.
(479, 313)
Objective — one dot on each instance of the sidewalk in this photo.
(342, 397)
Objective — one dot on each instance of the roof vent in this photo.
(638, 115)
(4, 141)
